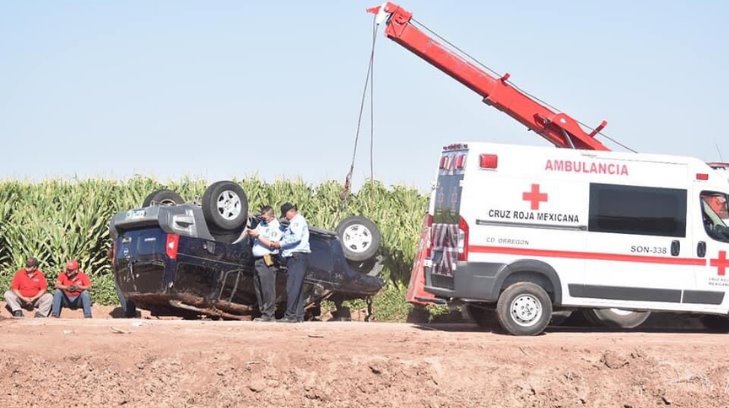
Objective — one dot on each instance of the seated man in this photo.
(28, 291)
(72, 290)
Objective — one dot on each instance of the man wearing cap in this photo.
(295, 250)
(72, 290)
(266, 231)
(28, 290)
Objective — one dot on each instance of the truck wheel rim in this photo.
(357, 238)
(228, 205)
(526, 310)
(166, 202)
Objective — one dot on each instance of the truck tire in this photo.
(225, 207)
(483, 316)
(162, 197)
(360, 238)
(616, 318)
(524, 309)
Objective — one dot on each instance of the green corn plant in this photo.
(56, 220)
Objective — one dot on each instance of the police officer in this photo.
(266, 233)
(295, 250)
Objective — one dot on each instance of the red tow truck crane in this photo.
(558, 128)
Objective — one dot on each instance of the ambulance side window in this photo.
(637, 210)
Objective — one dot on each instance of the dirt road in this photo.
(174, 363)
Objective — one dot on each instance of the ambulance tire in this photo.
(483, 316)
(360, 238)
(524, 309)
(162, 197)
(225, 207)
(616, 318)
(716, 323)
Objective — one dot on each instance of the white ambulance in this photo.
(529, 230)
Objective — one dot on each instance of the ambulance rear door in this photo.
(445, 232)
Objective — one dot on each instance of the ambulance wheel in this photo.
(225, 206)
(360, 238)
(616, 318)
(524, 309)
(162, 197)
(716, 323)
(482, 315)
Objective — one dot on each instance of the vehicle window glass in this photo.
(715, 215)
(145, 242)
(446, 209)
(637, 210)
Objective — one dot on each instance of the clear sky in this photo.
(222, 89)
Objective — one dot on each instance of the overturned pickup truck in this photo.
(170, 257)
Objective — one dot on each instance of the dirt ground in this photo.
(180, 363)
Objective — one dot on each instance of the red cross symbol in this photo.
(721, 263)
(535, 196)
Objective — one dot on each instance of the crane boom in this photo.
(558, 128)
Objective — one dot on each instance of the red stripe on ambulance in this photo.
(586, 255)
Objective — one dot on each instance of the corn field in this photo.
(56, 220)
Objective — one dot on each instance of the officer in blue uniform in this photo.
(295, 250)
(267, 231)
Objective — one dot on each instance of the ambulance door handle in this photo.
(701, 249)
(675, 247)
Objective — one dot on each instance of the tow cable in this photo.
(369, 83)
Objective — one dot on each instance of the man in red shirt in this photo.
(72, 290)
(28, 291)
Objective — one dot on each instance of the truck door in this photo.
(712, 246)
